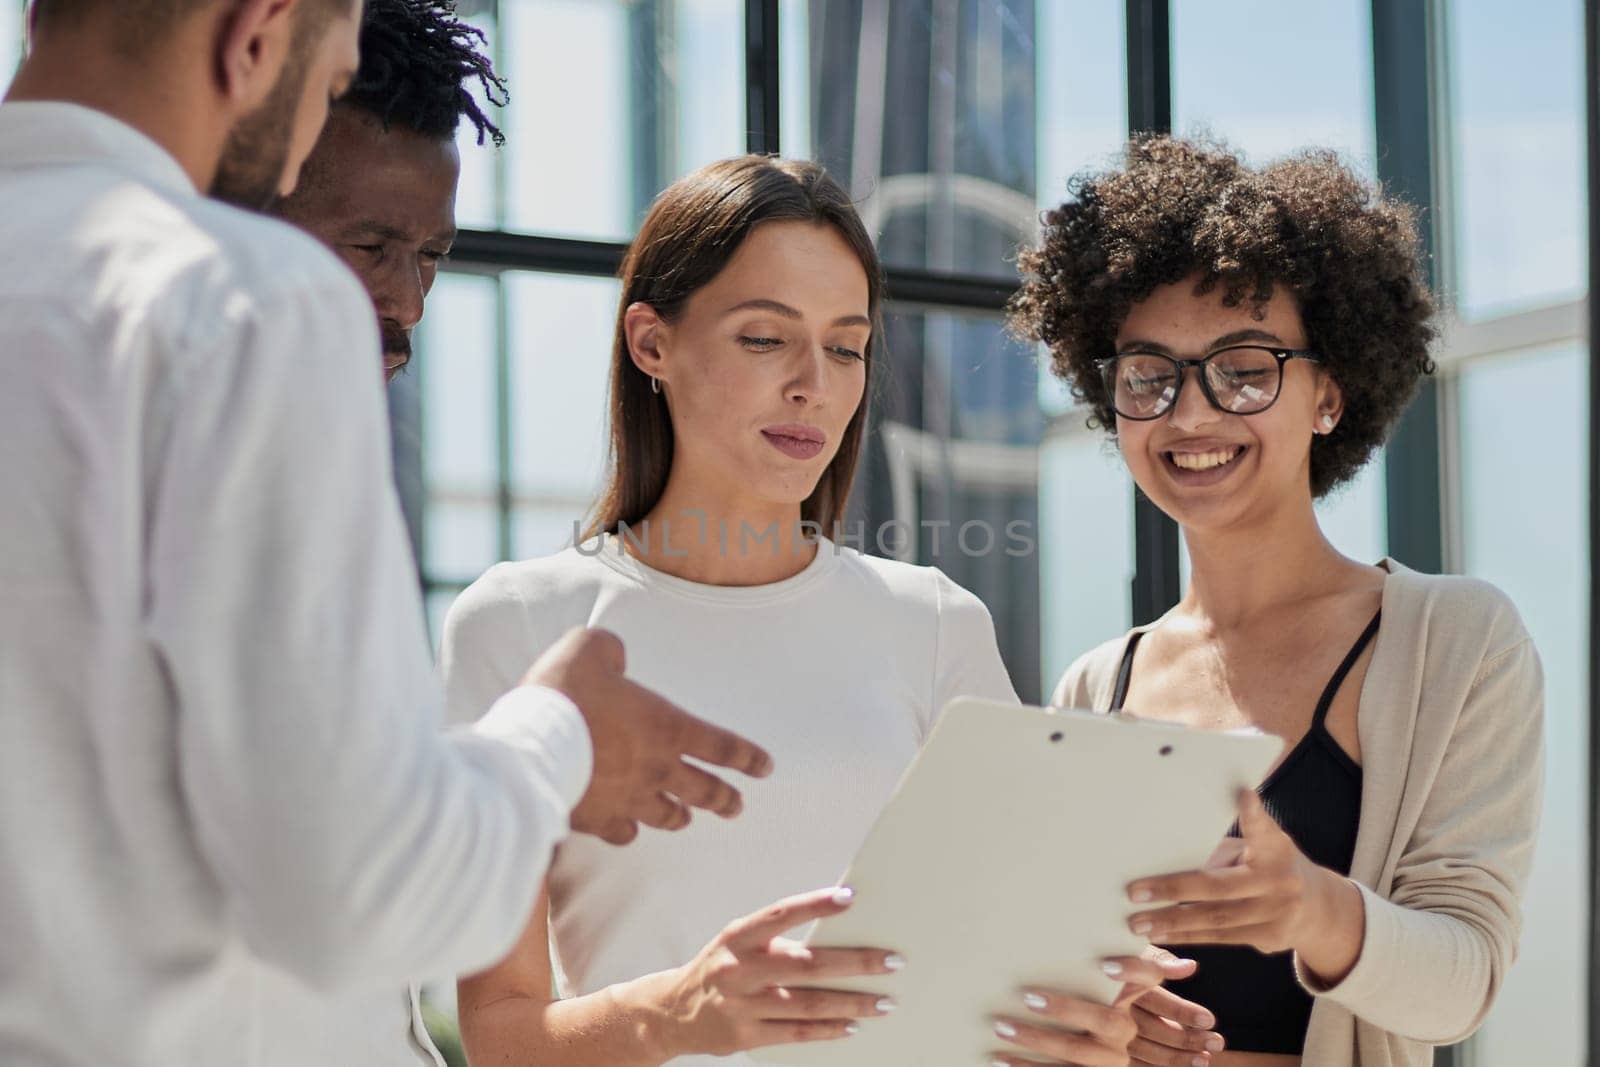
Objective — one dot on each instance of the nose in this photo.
(810, 381)
(1193, 409)
(401, 291)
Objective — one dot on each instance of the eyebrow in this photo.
(791, 313)
(386, 232)
(1235, 338)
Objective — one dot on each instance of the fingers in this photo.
(616, 832)
(800, 1031)
(712, 744)
(1105, 1046)
(663, 812)
(605, 646)
(1165, 1043)
(1267, 938)
(698, 789)
(1165, 1004)
(1086, 1017)
(787, 1003)
(1223, 883)
(1139, 974)
(1198, 921)
(1254, 819)
(813, 966)
(758, 928)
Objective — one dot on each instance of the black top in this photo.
(1315, 795)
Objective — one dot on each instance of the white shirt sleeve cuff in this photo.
(548, 732)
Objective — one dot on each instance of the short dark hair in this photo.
(1175, 208)
(417, 58)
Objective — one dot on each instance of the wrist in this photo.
(1335, 924)
(648, 1003)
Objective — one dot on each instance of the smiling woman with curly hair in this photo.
(1248, 337)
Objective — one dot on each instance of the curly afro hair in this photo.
(416, 61)
(1176, 208)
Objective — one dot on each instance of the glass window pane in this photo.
(1085, 545)
(1506, 478)
(457, 345)
(561, 330)
(461, 536)
(950, 122)
(1517, 135)
(1356, 517)
(11, 28)
(611, 100)
(1082, 81)
(1242, 69)
(543, 531)
(437, 603)
(955, 462)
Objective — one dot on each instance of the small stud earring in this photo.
(1327, 424)
(655, 385)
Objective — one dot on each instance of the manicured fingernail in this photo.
(1141, 896)
(885, 1005)
(852, 1029)
(1200, 1061)
(1205, 1021)
(1005, 1029)
(1214, 1042)
(894, 962)
(1112, 969)
(843, 895)
(1142, 926)
(998, 1062)
(1035, 1002)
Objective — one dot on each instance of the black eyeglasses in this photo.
(1239, 380)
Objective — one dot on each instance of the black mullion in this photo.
(1402, 93)
(1156, 577)
(494, 251)
(761, 76)
(1149, 30)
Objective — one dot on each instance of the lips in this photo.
(1202, 463)
(796, 440)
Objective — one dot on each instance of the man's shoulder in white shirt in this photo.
(198, 265)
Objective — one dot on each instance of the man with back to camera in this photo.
(219, 755)
(379, 188)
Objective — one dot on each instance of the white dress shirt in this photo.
(222, 781)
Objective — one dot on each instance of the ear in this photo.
(648, 336)
(1330, 405)
(253, 38)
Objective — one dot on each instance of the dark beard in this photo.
(253, 161)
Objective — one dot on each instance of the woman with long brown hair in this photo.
(744, 341)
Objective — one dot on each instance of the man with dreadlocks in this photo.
(380, 186)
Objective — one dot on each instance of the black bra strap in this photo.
(1125, 672)
(1344, 669)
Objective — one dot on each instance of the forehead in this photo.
(394, 175)
(809, 266)
(1176, 315)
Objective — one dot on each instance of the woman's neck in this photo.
(721, 538)
(1243, 573)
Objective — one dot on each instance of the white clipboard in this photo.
(1003, 861)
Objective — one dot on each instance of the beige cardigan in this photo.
(1451, 724)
